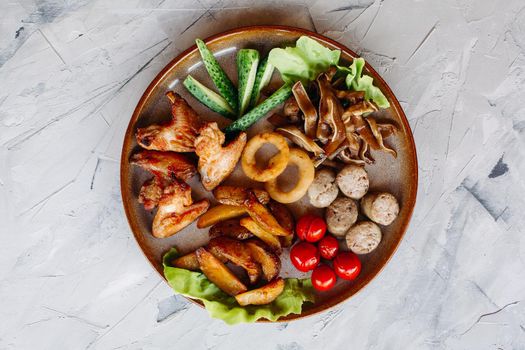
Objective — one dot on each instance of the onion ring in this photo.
(277, 163)
(306, 172)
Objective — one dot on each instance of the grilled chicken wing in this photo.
(178, 135)
(176, 210)
(151, 191)
(168, 165)
(215, 161)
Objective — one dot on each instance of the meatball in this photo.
(341, 215)
(353, 181)
(381, 208)
(363, 237)
(323, 189)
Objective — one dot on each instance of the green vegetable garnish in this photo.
(309, 58)
(218, 75)
(304, 61)
(260, 111)
(222, 306)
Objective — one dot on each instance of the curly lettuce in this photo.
(304, 61)
(309, 58)
(222, 306)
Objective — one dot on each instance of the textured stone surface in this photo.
(71, 275)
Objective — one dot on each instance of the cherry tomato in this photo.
(323, 278)
(328, 247)
(310, 228)
(347, 265)
(304, 256)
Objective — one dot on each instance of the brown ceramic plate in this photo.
(398, 176)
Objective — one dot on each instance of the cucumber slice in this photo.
(260, 111)
(262, 79)
(247, 62)
(218, 76)
(208, 97)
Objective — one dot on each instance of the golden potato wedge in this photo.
(233, 195)
(230, 228)
(188, 262)
(265, 236)
(219, 213)
(262, 296)
(284, 216)
(263, 254)
(263, 217)
(218, 273)
(237, 253)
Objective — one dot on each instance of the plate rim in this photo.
(411, 200)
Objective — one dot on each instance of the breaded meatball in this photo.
(341, 215)
(381, 208)
(353, 181)
(323, 189)
(363, 237)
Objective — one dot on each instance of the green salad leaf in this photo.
(304, 61)
(222, 306)
(355, 80)
(309, 58)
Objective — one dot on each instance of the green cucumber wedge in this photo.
(218, 76)
(262, 79)
(208, 97)
(260, 111)
(247, 62)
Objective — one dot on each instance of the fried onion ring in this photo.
(306, 172)
(277, 163)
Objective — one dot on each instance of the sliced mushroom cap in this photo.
(330, 112)
(379, 137)
(291, 109)
(348, 158)
(361, 108)
(307, 107)
(352, 97)
(278, 120)
(296, 136)
(356, 123)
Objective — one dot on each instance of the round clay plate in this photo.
(395, 175)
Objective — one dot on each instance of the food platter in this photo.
(397, 176)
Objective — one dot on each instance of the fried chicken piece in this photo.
(215, 161)
(168, 165)
(178, 135)
(150, 192)
(176, 210)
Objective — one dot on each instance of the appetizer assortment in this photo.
(326, 129)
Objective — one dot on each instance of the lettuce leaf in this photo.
(222, 306)
(358, 82)
(309, 58)
(304, 61)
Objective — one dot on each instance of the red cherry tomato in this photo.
(323, 278)
(328, 247)
(304, 256)
(310, 228)
(347, 265)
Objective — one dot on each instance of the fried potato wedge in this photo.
(263, 217)
(263, 295)
(284, 216)
(237, 253)
(233, 195)
(263, 254)
(220, 213)
(273, 241)
(188, 262)
(230, 228)
(218, 273)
